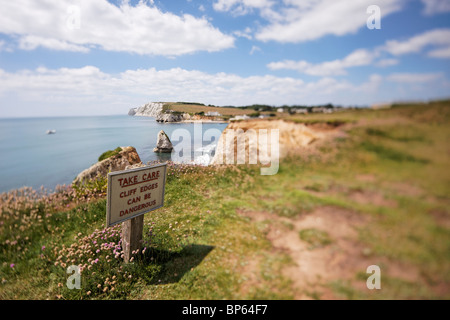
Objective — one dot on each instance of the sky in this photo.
(100, 57)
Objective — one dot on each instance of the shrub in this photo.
(91, 189)
(109, 153)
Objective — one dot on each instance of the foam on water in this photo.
(206, 154)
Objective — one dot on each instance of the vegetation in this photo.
(389, 172)
(193, 103)
(109, 153)
(316, 238)
(254, 110)
(194, 108)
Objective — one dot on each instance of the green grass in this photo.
(385, 152)
(316, 238)
(199, 246)
(196, 108)
(402, 134)
(317, 120)
(109, 153)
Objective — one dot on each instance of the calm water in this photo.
(30, 157)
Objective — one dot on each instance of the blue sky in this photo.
(94, 57)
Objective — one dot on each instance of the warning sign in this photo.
(134, 192)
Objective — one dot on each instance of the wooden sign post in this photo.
(132, 236)
(131, 194)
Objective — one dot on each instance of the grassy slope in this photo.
(203, 248)
(196, 108)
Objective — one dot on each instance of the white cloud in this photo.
(387, 63)
(246, 33)
(241, 7)
(435, 6)
(437, 41)
(254, 49)
(32, 42)
(141, 29)
(371, 86)
(358, 57)
(439, 38)
(4, 46)
(440, 53)
(408, 77)
(88, 90)
(300, 21)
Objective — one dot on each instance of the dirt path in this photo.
(315, 266)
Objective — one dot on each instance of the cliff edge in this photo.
(244, 138)
(151, 109)
(169, 112)
(128, 156)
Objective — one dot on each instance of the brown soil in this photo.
(371, 197)
(442, 217)
(360, 196)
(314, 268)
(346, 258)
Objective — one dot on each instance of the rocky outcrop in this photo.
(155, 110)
(151, 109)
(128, 157)
(172, 117)
(163, 144)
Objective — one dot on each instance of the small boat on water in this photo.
(51, 131)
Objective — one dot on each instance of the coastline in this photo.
(187, 120)
(34, 158)
(201, 121)
(235, 217)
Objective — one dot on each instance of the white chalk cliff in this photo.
(244, 140)
(151, 109)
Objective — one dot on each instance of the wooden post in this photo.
(131, 194)
(132, 236)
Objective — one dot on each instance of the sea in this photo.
(29, 156)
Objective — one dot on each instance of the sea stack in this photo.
(163, 144)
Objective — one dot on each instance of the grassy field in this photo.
(376, 194)
(197, 108)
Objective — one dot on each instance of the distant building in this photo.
(243, 117)
(300, 110)
(280, 110)
(212, 114)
